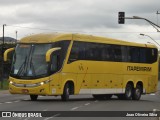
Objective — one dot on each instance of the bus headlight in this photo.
(41, 83)
(44, 82)
(11, 82)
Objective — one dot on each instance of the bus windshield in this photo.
(29, 60)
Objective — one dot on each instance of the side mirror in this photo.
(6, 54)
(49, 52)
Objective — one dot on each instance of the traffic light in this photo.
(121, 17)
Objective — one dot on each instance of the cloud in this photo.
(77, 15)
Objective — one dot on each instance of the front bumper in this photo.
(39, 90)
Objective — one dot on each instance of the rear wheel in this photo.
(128, 92)
(137, 93)
(33, 97)
(66, 93)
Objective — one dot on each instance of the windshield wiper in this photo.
(32, 67)
(22, 68)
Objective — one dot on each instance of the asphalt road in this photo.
(10, 102)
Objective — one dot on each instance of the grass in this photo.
(5, 85)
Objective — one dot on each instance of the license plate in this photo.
(25, 91)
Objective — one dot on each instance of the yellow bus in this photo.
(71, 64)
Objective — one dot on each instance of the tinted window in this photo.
(134, 54)
(64, 47)
(110, 52)
(93, 51)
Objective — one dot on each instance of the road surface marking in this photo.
(27, 119)
(74, 108)
(16, 101)
(26, 99)
(48, 118)
(152, 94)
(45, 110)
(8, 102)
(56, 115)
(96, 101)
(87, 104)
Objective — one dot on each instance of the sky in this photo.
(93, 17)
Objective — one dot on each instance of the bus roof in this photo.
(52, 37)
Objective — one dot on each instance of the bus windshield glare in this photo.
(29, 60)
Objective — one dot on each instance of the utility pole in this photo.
(2, 72)
(16, 35)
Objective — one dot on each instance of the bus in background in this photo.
(71, 64)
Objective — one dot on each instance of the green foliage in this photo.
(5, 84)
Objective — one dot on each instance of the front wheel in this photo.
(66, 93)
(33, 97)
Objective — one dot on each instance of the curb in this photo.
(4, 91)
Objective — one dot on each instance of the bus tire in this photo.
(137, 93)
(66, 93)
(128, 92)
(33, 97)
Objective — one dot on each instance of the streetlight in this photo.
(150, 38)
(157, 15)
(156, 26)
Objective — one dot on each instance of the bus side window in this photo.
(118, 53)
(154, 55)
(151, 55)
(89, 51)
(134, 54)
(111, 53)
(55, 63)
(74, 53)
(143, 55)
(125, 57)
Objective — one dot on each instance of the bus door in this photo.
(83, 79)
